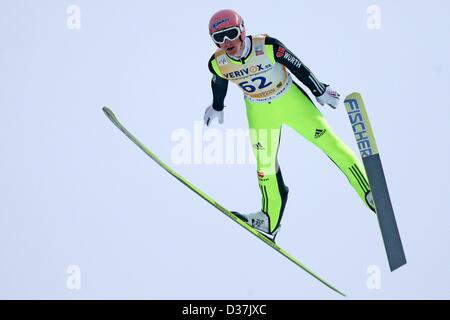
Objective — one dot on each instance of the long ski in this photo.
(367, 146)
(228, 213)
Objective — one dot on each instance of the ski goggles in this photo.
(231, 34)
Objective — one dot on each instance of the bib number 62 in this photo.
(247, 87)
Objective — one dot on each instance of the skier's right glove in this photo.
(210, 114)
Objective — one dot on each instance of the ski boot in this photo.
(370, 202)
(260, 222)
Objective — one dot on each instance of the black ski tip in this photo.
(401, 261)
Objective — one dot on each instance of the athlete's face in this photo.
(234, 47)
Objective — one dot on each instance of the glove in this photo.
(210, 114)
(330, 97)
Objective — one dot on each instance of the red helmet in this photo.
(225, 19)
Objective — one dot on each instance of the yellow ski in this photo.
(228, 213)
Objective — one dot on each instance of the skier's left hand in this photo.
(330, 97)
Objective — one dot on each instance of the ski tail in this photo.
(228, 213)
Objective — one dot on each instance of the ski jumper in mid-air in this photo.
(261, 66)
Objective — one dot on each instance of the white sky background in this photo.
(75, 191)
